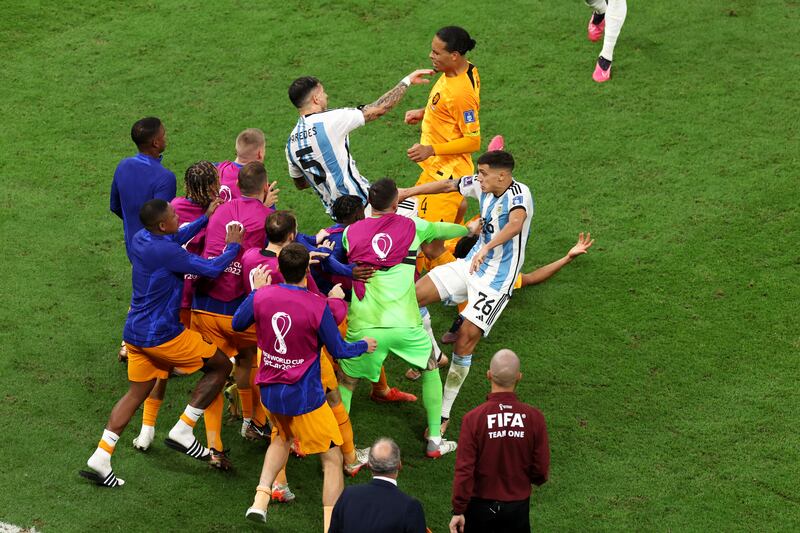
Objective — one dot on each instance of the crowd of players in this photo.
(224, 283)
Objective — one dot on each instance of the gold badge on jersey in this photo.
(435, 99)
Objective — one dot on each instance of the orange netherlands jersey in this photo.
(452, 113)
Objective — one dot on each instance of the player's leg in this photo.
(149, 415)
(347, 385)
(216, 368)
(597, 20)
(615, 17)
(427, 293)
(332, 482)
(413, 374)
(334, 398)
(276, 456)
(100, 461)
(468, 336)
(367, 366)
(212, 419)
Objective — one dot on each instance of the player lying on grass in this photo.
(540, 275)
(292, 324)
(485, 278)
(155, 337)
(386, 308)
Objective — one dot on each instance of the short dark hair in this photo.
(464, 245)
(252, 177)
(300, 89)
(456, 39)
(201, 183)
(382, 193)
(345, 207)
(152, 212)
(293, 262)
(279, 225)
(497, 159)
(143, 131)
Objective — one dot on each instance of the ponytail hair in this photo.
(456, 39)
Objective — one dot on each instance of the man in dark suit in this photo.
(378, 507)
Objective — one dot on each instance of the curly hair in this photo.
(202, 183)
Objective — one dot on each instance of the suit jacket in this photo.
(377, 507)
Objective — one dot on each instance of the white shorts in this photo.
(456, 285)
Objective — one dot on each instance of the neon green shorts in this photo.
(412, 345)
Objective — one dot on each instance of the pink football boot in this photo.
(599, 75)
(596, 30)
(497, 143)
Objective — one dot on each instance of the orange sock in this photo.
(150, 414)
(259, 413)
(381, 387)
(462, 306)
(446, 257)
(212, 418)
(280, 479)
(345, 427)
(246, 397)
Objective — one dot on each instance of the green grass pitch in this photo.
(665, 361)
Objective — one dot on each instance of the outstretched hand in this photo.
(418, 76)
(582, 246)
(413, 116)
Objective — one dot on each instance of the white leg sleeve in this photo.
(615, 18)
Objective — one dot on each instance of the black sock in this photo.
(597, 18)
(604, 63)
(456, 324)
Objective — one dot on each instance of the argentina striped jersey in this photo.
(503, 263)
(318, 149)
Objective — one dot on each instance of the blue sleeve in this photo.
(167, 188)
(332, 265)
(116, 205)
(330, 336)
(308, 241)
(186, 233)
(183, 262)
(245, 315)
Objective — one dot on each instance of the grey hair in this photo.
(385, 463)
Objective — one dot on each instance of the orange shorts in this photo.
(186, 318)
(219, 330)
(326, 371)
(184, 353)
(317, 431)
(438, 207)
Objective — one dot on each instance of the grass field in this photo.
(665, 361)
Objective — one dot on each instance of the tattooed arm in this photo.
(385, 103)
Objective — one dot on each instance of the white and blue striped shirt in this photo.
(503, 263)
(318, 149)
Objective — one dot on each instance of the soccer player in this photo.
(250, 146)
(485, 278)
(281, 227)
(386, 308)
(607, 19)
(450, 131)
(202, 186)
(155, 337)
(292, 325)
(540, 275)
(142, 177)
(215, 301)
(318, 149)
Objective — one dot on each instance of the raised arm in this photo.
(385, 103)
(544, 273)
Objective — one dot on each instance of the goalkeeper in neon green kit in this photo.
(387, 308)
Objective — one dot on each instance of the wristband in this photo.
(406, 81)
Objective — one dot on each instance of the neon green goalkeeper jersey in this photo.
(390, 300)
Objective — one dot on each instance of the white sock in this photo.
(182, 432)
(436, 440)
(146, 436)
(426, 323)
(100, 462)
(459, 368)
(599, 6)
(110, 438)
(615, 18)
